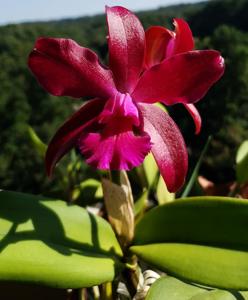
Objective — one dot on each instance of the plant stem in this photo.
(106, 291)
(131, 276)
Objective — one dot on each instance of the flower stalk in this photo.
(118, 201)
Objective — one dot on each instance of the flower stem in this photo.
(131, 275)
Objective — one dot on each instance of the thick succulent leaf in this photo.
(174, 289)
(49, 242)
(200, 264)
(182, 78)
(64, 68)
(196, 239)
(126, 42)
(242, 163)
(168, 146)
(221, 295)
(202, 220)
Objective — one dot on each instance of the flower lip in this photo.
(122, 107)
(121, 151)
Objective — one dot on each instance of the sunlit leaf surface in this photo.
(49, 242)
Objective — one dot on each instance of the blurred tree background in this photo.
(222, 25)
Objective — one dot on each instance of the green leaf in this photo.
(52, 243)
(200, 264)
(38, 144)
(151, 169)
(220, 295)
(139, 205)
(174, 289)
(195, 172)
(196, 239)
(163, 194)
(88, 191)
(201, 220)
(242, 163)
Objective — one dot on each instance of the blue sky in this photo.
(14, 11)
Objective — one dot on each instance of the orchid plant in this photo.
(115, 252)
(120, 125)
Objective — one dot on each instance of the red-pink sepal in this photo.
(64, 68)
(168, 146)
(126, 41)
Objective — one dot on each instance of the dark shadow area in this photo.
(14, 291)
(237, 295)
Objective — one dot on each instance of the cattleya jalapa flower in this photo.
(121, 125)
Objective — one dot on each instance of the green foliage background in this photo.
(222, 25)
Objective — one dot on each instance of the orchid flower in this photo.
(121, 125)
(162, 43)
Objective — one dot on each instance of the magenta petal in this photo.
(126, 47)
(183, 78)
(195, 115)
(168, 145)
(64, 68)
(122, 151)
(67, 136)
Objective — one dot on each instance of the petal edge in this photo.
(195, 116)
(67, 135)
(168, 146)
